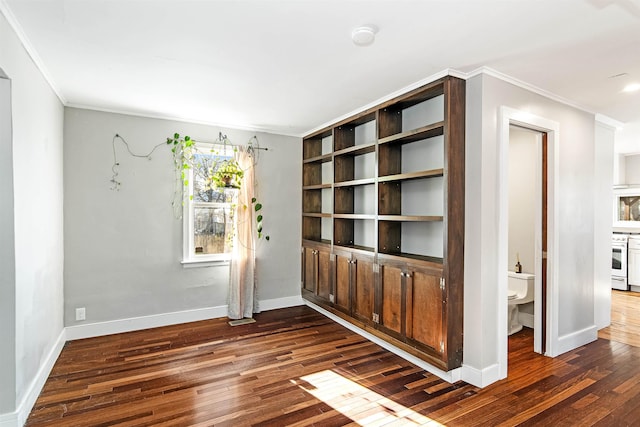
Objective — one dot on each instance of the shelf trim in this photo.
(407, 257)
(435, 129)
(316, 214)
(323, 158)
(411, 218)
(433, 173)
(367, 250)
(355, 182)
(354, 216)
(357, 150)
(316, 186)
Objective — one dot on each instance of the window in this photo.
(208, 212)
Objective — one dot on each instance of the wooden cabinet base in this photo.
(415, 349)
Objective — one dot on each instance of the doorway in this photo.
(527, 179)
(544, 318)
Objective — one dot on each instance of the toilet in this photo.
(520, 290)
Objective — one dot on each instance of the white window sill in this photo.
(197, 263)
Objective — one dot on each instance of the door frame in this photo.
(510, 116)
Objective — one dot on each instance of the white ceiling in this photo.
(290, 66)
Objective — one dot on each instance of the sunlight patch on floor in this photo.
(362, 405)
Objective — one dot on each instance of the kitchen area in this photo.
(625, 254)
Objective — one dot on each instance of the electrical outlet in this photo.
(81, 313)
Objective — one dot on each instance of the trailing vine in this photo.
(226, 174)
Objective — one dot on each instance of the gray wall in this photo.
(605, 142)
(576, 225)
(123, 248)
(523, 157)
(7, 256)
(632, 169)
(37, 118)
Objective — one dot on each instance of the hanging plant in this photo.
(183, 150)
(227, 175)
(258, 207)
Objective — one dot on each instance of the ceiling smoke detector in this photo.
(364, 36)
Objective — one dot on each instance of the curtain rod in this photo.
(224, 140)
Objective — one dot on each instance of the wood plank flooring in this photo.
(625, 318)
(296, 367)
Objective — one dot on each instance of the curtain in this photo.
(243, 300)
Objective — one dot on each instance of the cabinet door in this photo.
(309, 261)
(324, 274)
(343, 281)
(364, 289)
(633, 264)
(424, 309)
(391, 289)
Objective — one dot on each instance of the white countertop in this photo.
(627, 230)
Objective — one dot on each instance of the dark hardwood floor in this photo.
(296, 367)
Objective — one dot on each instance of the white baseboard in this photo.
(576, 339)
(9, 419)
(480, 377)
(165, 319)
(450, 376)
(119, 326)
(276, 303)
(20, 415)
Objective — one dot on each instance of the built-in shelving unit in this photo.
(383, 220)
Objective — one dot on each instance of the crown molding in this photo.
(466, 76)
(28, 47)
(414, 85)
(527, 86)
(179, 119)
(608, 121)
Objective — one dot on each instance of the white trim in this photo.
(28, 47)
(205, 263)
(527, 86)
(450, 376)
(507, 116)
(276, 303)
(402, 91)
(480, 377)
(20, 415)
(165, 319)
(9, 419)
(159, 116)
(143, 322)
(608, 121)
(576, 339)
(465, 76)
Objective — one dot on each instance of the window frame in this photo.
(189, 256)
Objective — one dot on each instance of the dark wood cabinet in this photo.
(317, 272)
(383, 220)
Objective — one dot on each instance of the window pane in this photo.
(212, 228)
(204, 166)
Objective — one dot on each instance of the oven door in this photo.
(619, 260)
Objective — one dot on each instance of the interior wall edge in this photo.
(18, 417)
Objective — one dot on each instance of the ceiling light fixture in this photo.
(631, 87)
(364, 36)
